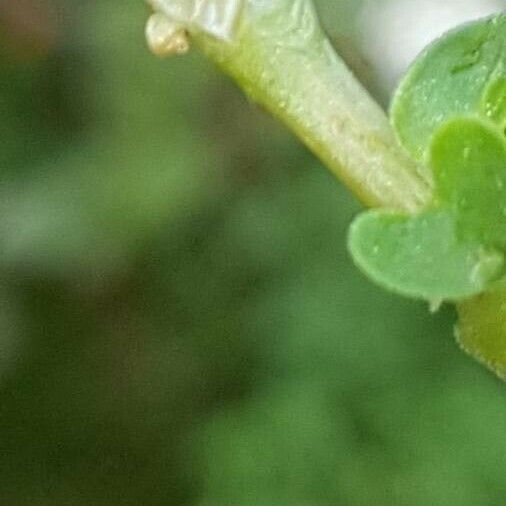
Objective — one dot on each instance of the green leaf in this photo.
(460, 74)
(449, 252)
(468, 160)
(494, 102)
(420, 256)
(482, 329)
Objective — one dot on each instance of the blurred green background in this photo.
(180, 323)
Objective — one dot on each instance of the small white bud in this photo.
(166, 37)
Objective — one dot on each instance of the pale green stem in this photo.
(279, 55)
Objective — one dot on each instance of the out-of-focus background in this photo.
(180, 323)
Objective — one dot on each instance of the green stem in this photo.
(281, 58)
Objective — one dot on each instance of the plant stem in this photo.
(277, 52)
(282, 59)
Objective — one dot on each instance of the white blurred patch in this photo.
(393, 32)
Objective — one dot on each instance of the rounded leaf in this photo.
(419, 256)
(468, 160)
(455, 76)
